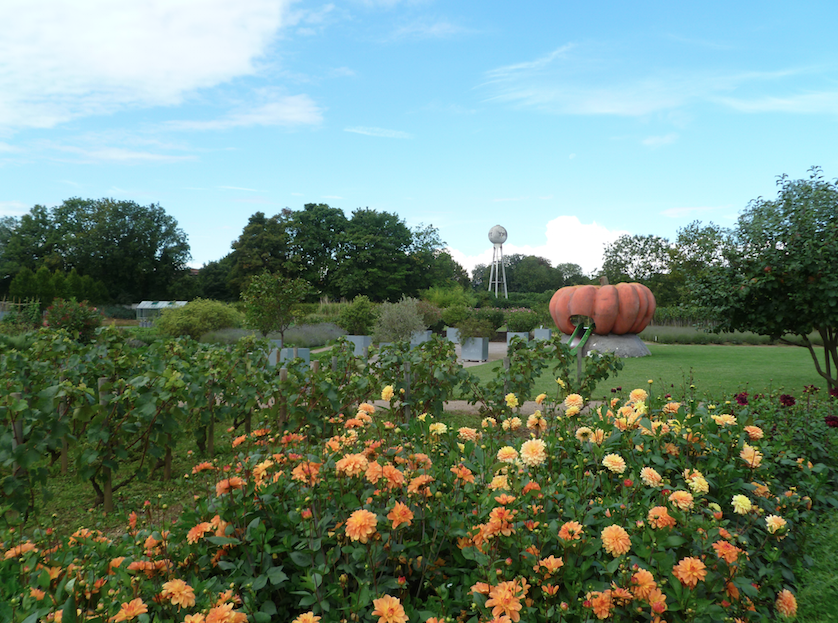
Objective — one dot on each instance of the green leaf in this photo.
(276, 575)
(301, 559)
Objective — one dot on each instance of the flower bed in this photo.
(635, 511)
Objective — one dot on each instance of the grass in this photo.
(818, 597)
(689, 335)
(718, 371)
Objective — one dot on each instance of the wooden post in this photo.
(315, 366)
(579, 366)
(407, 390)
(334, 364)
(17, 434)
(63, 409)
(167, 461)
(283, 406)
(506, 376)
(107, 485)
(211, 434)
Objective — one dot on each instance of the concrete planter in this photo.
(287, 354)
(452, 335)
(542, 334)
(361, 342)
(475, 349)
(419, 337)
(521, 334)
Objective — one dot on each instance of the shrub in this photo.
(119, 311)
(447, 296)
(197, 317)
(358, 317)
(77, 318)
(431, 315)
(454, 315)
(23, 319)
(523, 320)
(472, 326)
(397, 322)
(494, 315)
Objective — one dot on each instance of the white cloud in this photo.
(380, 132)
(659, 141)
(428, 30)
(283, 111)
(62, 59)
(13, 208)
(5, 147)
(568, 241)
(590, 79)
(119, 154)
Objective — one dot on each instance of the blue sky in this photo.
(568, 123)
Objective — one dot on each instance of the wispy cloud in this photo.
(61, 59)
(119, 154)
(660, 141)
(441, 29)
(6, 148)
(292, 110)
(380, 132)
(591, 79)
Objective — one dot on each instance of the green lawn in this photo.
(715, 370)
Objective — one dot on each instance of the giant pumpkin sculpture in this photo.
(619, 309)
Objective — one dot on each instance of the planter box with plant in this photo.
(358, 319)
(398, 322)
(474, 333)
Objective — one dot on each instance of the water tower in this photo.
(497, 276)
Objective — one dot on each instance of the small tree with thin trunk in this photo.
(271, 302)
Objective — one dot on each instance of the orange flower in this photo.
(468, 434)
(179, 593)
(307, 617)
(615, 540)
(20, 550)
(306, 472)
(36, 593)
(463, 473)
(393, 476)
(786, 604)
(571, 531)
(642, 584)
(751, 456)
(638, 395)
(534, 452)
(366, 408)
(551, 563)
(389, 609)
(239, 440)
(689, 571)
(228, 484)
(600, 603)
(200, 467)
(682, 500)
(503, 499)
(775, 523)
(481, 588)
(400, 514)
(224, 614)
(659, 517)
(420, 484)
(650, 477)
(352, 465)
(503, 599)
(574, 400)
(754, 432)
(727, 551)
(361, 525)
(198, 532)
(130, 610)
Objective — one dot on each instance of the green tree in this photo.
(779, 274)
(317, 237)
(264, 245)
(23, 285)
(644, 259)
(271, 302)
(214, 280)
(375, 257)
(529, 273)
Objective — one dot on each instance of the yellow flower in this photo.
(507, 454)
(561, 383)
(511, 401)
(583, 433)
(422, 417)
(499, 482)
(574, 400)
(615, 463)
(638, 395)
(387, 392)
(741, 504)
(751, 456)
(438, 428)
(540, 398)
(534, 452)
(571, 411)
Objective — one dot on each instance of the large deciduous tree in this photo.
(136, 251)
(264, 245)
(644, 259)
(779, 275)
(271, 302)
(317, 234)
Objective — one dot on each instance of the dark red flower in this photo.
(786, 400)
(742, 398)
(834, 392)
(831, 421)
